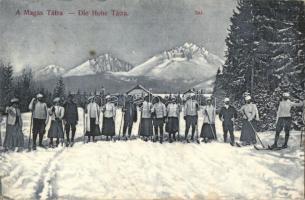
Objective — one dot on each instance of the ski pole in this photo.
(85, 125)
(31, 127)
(123, 115)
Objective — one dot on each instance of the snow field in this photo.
(144, 170)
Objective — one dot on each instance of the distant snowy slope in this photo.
(185, 62)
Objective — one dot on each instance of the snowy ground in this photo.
(140, 170)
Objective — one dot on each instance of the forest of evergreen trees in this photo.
(265, 56)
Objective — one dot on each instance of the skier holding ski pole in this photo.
(283, 119)
(191, 108)
(208, 131)
(129, 116)
(250, 114)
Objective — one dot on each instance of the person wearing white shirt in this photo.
(250, 116)
(159, 111)
(109, 111)
(146, 129)
(56, 113)
(172, 123)
(92, 119)
(191, 108)
(283, 118)
(208, 131)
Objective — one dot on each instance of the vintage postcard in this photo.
(152, 99)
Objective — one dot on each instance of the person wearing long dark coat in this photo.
(283, 119)
(56, 113)
(14, 137)
(146, 129)
(172, 123)
(208, 131)
(227, 115)
(92, 119)
(130, 116)
(109, 111)
(40, 118)
(70, 119)
(160, 113)
(250, 116)
(191, 108)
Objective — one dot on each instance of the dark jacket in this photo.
(227, 114)
(130, 112)
(71, 114)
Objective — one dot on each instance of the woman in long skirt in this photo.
(56, 128)
(250, 114)
(14, 137)
(109, 111)
(146, 128)
(92, 119)
(208, 131)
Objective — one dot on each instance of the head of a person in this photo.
(108, 98)
(157, 99)
(56, 101)
(227, 101)
(173, 100)
(193, 97)
(15, 102)
(248, 99)
(146, 98)
(130, 98)
(209, 100)
(70, 98)
(39, 97)
(91, 99)
(286, 96)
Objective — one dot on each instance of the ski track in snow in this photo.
(137, 170)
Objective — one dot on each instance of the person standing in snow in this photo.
(250, 116)
(227, 115)
(191, 108)
(92, 119)
(159, 111)
(40, 118)
(130, 115)
(146, 129)
(70, 119)
(208, 131)
(283, 119)
(14, 137)
(172, 123)
(56, 113)
(109, 111)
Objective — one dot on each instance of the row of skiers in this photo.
(152, 121)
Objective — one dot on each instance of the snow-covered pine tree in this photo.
(59, 90)
(6, 84)
(265, 54)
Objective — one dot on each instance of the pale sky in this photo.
(150, 27)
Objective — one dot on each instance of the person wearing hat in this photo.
(14, 137)
(191, 108)
(208, 131)
(283, 118)
(159, 110)
(92, 119)
(70, 119)
(56, 113)
(250, 116)
(227, 115)
(40, 117)
(146, 129)
(109, 111)
(130, 115)
(172, 124)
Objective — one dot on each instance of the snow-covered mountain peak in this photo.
(103, 63)
(49, 71)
